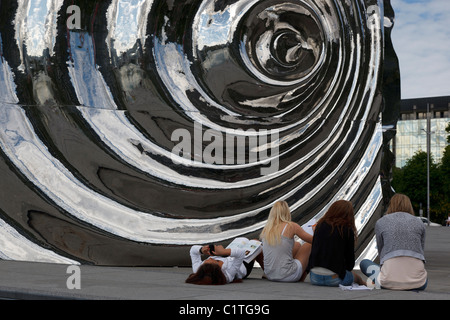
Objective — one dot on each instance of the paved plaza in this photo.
(29, 280)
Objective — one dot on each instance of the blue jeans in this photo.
(331, 281)
(371, 270)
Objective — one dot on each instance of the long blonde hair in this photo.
(279, 213)
(400, 203)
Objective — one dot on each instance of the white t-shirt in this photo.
(232, 267)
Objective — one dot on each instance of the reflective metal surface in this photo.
(115, 119)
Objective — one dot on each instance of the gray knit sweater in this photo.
(400, 234)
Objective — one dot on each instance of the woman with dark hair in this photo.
(333, 247)
(400, 241)
(224, 265)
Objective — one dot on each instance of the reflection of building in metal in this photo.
(412, 128)
(87, 116)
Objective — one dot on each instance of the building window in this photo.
(439, 114)
(411, 136)
(408, 116)
(421, 115)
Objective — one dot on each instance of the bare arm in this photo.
(302, 234)
(221, 251)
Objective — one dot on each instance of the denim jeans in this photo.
(369, 268)
(331, 280)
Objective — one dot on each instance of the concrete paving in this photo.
(36, 281)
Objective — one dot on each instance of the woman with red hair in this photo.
(333, 247)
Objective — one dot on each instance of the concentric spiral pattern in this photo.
(122, 122)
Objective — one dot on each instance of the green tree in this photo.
(444, 169)
(412, 181)
(448, 130)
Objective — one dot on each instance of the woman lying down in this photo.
(224, 265)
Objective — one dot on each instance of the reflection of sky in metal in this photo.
(36, 25)
(126, 23)
(91, 89)
(215, 27)
(228, 67)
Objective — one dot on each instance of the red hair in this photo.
(340, 215)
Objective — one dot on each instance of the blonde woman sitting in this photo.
(285, 259)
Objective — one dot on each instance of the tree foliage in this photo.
(412, 178)
(448, 130)
(412, 181)
(445, 171)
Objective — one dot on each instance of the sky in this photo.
(421, 39)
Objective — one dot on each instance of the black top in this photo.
(332, 250)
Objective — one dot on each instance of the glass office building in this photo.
(411, 131)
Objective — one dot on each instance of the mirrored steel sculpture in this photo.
(132, 129)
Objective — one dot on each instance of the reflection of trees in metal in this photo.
(87, 116)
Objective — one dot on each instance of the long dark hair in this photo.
(340, 215)
(208, 274)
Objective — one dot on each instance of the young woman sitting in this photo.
(333, 248)
(401, 243)
(285, 259)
